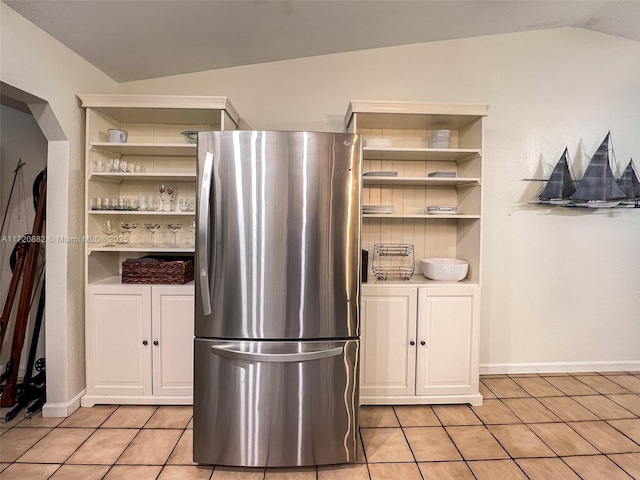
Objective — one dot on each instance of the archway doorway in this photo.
(57, 155)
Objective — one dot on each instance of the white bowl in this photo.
(444, 269)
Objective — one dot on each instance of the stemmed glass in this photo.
(173, 228)
(129, 227)
(153, 228)
(192, 229)
(109, 231)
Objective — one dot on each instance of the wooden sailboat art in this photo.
(598, 187)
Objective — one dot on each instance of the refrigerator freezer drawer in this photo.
(275, 404)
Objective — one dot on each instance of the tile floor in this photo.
(539, 427)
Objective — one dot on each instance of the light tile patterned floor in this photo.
(538, 427)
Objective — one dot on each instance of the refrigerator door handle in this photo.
(203, 223)
(229, 352)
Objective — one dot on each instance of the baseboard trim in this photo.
(50, 409)
(553, 367)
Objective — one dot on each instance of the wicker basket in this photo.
(158, 270)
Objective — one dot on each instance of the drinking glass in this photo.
(109, 231)
(129, 227)
(153, 228)
(145, 202)
(173, 228)
(192, 229)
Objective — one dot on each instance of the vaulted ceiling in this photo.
(141, 39)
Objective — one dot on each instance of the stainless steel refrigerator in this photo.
(277, 298)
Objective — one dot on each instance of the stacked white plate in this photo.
(442, 174)
(442, 210)
(377, 209)
(381, 173)
(378, 143)
(439, 139)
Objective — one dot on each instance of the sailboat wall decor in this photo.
(560, 185)
(630, 183)
(598, 187)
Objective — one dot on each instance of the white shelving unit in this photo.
(139, 338)
(420, 338)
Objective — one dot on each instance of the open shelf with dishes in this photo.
(420, 337)
(414, 193)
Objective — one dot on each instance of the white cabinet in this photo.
(447, 342)
(172, 334)
(118, 334)
(419, 345)
(139, 344)
(387, 358)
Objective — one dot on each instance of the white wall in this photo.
(561, 287)
(33, 62)
(20, 138)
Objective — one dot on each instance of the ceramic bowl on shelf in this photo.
(190, 136)
(444, 269)
(117, 135)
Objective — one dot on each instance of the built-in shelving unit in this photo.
(420, 337)
(139, 338)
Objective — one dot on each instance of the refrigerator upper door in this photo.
(278, 242)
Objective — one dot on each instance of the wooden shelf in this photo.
(117, 281)
(369, 180)
(162, 109)
(143, 249)
(417, 279)
(417, 215)
(422, 154)
(119, 177)
(148, 149)
(141, 212)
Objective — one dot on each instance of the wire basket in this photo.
(393, 260)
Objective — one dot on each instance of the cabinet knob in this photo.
(423, 343)
(144, 342)
(412, 342)
(155, 342)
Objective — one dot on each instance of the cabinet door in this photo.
(118, 325)
(172, 312)
(447, 362)
(388, 319)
